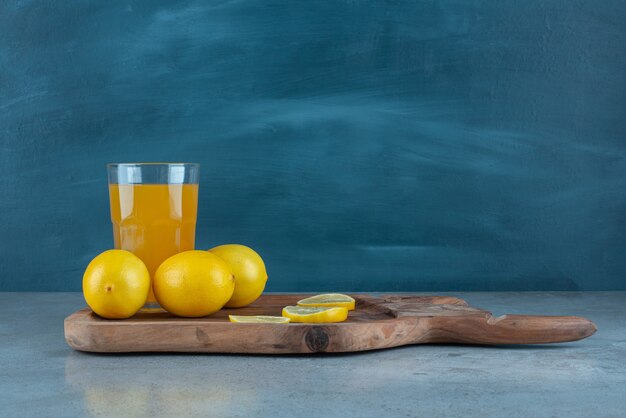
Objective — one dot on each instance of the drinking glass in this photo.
(154, 207)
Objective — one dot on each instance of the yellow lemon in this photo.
(329, 299)
(315, 315)
(193, 284)
(258, 319)
(249, 271)
(116, 284)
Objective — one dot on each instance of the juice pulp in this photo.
(154, 221)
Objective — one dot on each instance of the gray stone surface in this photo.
(41, 376)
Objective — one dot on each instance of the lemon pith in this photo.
(258, 319)
(315, 314)
(328, 300)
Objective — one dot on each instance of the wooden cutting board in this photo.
(378, 322)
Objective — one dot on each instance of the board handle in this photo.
(508, 329)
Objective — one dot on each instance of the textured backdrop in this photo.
(357, 145)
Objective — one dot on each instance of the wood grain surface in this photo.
(377, 323)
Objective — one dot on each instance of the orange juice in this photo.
(154, 221)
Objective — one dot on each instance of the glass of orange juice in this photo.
(153, 209)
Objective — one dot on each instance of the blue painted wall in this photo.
(357, 145)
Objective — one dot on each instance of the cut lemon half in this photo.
(315, 314)
(329, 300)
(258, 319)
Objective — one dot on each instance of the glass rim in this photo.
(114, 165)
(153, 173)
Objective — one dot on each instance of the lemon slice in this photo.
(329, 300)
(259, 319)
(315, 314)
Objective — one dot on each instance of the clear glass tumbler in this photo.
(154, 207)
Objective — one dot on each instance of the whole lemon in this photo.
(249, 271)
(116, 284)
(193, 284)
